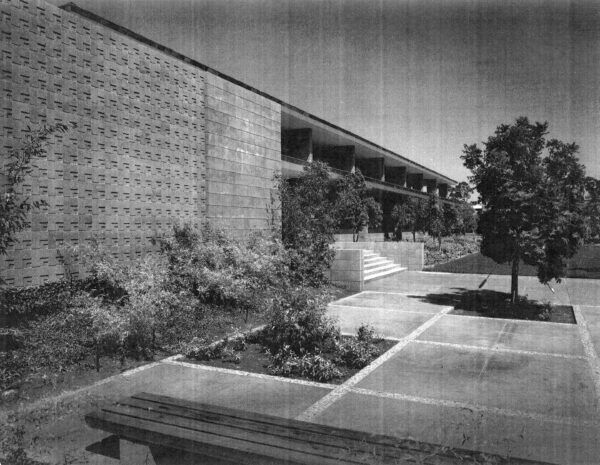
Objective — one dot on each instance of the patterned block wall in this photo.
(136, 162)
(243, 154)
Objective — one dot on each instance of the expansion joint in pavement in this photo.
(590, 351)
(475, 407)
(501, 350)
(342, 389)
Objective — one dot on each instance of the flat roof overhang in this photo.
(327, 134)
(294, 167)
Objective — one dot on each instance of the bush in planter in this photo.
(218, 270)
(359, 352)
(297, 320)
(313, 366)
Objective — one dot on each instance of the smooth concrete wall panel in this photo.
(136, 163)
(243, 154)
(347, 269)
(406, 254)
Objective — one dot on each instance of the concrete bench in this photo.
(162, 430)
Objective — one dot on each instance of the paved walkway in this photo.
(516, 388)
(510, 387)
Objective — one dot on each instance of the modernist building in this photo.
(160, 138)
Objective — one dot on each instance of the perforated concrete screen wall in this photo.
(158, 140)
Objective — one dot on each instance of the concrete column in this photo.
(415, 181)
(341, 157)
(396, 175)
(372, 167)
(297, 143)
(431, 185)
(443, 190)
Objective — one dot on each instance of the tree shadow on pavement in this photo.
(488, 303)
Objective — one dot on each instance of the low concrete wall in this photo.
(347, 269)
(408, 254)
(368, 237)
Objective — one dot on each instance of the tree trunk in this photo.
(97, 357)
(414, 235)
(514, 282)
(439, 238)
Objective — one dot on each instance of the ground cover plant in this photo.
(199, 284)
(452, 248)
(345, 356)
(297, 340)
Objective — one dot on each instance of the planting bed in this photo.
(255, 359)
(494, 304)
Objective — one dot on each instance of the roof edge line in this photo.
(73, 8)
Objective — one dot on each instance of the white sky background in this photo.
(420, 77)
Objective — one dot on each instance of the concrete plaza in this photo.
(520, 389)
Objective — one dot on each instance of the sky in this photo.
(420, 77)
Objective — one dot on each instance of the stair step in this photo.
(388, 272)
(380, 268)
(371, 262)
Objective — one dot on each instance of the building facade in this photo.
(159, 139)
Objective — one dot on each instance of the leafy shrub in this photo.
(313, 366)
(199, 350)
(318, 368)
(18, 305)
(365, 333)
(297, 320)
(451, 248)
(14, 203)
(359, 352)
(224, 349)
(308, 222)
(55, 343)
(218, 270)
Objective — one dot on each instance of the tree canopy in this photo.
(410, 214)
(309, 220)
(532, 192)
(355, 205)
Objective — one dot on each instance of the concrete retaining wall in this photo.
(368, 237)
(407, 254)
(347, 269)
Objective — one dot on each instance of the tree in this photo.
(464, 215)
(434, 217)
(404, 216)
(14, 204)
(592, 208)
(532, 204)
(461, 192)
(452, 219)
(409, 214)
(355, 205)
(308, 221)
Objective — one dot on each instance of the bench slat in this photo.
(148, 431)
(251, 437)
(287, 423)
(293, 432)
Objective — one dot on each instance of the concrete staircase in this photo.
(376, 266)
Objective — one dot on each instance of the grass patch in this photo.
(584, 264)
